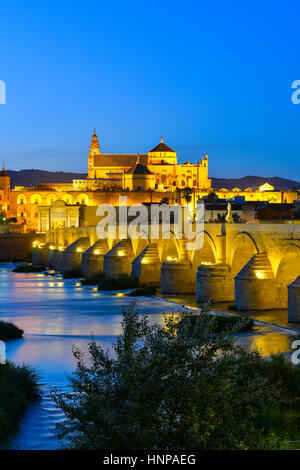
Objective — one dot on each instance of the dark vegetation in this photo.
(73, 273)
(121, 283)
(146, 290)
(93, 280)
(222, 323)
(9, 331)
(185, 385)
(28, 268)
(18, 386)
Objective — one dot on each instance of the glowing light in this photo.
(52, 247)
(79, 250)
(60, 248)
(121, 253)
(96, 252)
(144, 261)
(206, 263)
(120, 294)
(169, 258)
(266, 187)
(259, 275)
(35, 243)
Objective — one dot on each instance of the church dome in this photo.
(162, 147)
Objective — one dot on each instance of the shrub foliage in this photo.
(164, 390)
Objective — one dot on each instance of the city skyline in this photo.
(208, 83)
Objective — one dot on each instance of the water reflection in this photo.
(57, 314)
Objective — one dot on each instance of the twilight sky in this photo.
(210, 76)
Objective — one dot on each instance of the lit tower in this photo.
(4, 190)
(94, 150)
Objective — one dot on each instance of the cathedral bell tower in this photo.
(4, 190)
(94, 151)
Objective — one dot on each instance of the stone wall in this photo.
(17, 246)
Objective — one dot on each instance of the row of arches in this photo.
(285, 263)
(50, 198)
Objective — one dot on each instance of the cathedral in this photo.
(156, 170)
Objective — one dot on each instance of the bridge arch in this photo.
(169, 249)
(207, 254)
(139, 244)
(289, 264)
(242, 248)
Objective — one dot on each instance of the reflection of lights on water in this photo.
(77, 284)
(259, 274)
(120, 294)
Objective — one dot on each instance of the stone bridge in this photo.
(249, 264)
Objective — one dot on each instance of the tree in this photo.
(164, 200)
(173, 387)
(211, 197)
(187, 194)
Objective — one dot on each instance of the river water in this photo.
(57, 314)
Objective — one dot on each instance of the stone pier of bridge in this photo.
(255, 266)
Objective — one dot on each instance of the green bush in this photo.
(146, 290)
(221, 323)
(73, 273)
(18, 386)
(28, 268)
(93, 280)
(231, 307)
(9, 331)
(162, 390)
(233, 323)
(121, 283)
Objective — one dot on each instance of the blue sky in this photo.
(210, 77)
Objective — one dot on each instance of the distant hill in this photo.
(254, 182)
(32, 177)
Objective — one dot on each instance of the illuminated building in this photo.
(143, 178)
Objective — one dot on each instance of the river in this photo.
(57, 314)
